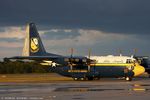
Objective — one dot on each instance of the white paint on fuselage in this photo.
(113, 59)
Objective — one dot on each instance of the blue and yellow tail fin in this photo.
(33, 45)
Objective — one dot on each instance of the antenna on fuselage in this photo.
(120, 52)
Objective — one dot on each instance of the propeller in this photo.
(89, 60)
(134, 53)
(120, 52)
(72, 52)
(89, 53)
(89, 56)
(71, 56)
(70, 59)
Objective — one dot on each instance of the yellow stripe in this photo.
(77, 71)
(111, 64)
(139, 89)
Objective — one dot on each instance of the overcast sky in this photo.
(105, 26)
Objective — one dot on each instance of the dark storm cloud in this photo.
(120, 16)
(60, 34)
(2, 29)
(10, 40)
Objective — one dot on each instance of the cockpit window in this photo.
(135, 61)
(129, 61)
(83, 60)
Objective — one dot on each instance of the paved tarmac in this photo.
(104, 89)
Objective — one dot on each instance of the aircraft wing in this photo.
(35, 57)
(60, 59)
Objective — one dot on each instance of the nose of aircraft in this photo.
(138, 70)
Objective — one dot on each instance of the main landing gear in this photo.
(79, 79)
(86, 79)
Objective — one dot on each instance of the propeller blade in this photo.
(89, 53)
(89, 57)
(120, 52)
(71, 52)
(89, 60)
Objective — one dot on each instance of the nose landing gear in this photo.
(128, 78)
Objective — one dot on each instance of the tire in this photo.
(79, 79)
(90, 78)
(148, 75)
(128, 78)
(76, 79)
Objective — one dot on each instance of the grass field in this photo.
(42, 77)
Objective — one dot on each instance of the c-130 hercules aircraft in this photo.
(79, 68)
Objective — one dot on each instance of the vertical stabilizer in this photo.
(33, 45)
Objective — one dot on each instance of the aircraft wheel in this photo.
(149, 75)
(90, 78)
(76, 79)
(97, 78)
(148, 71)
(82, 79)
(128, 78)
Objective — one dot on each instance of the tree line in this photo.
(15, 67)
